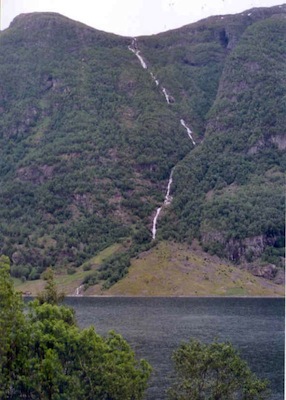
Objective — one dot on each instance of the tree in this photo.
(215, 372)
(108, 368)
(44, 355)
(13, 332)
(50, 294)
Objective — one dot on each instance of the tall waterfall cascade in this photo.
(169, 99)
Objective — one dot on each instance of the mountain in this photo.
(109, 140)
(231, 194)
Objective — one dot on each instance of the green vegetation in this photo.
(230, 188)
(214, 371)
(177, 269)
(68, 282)
(43, 354)
(83, 141)
(87, 141)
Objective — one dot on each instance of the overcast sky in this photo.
(131, 17)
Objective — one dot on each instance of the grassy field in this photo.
(172, 269)
(168, 269)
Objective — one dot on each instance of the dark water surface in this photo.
(155, 327)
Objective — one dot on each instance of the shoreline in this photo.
(167, 297)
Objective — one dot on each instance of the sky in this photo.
(131, 17)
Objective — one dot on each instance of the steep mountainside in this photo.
(92, 125)
(234, 197)
(84, 139)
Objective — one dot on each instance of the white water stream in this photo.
(154, 78)
(154, 227)
(167, 201)
(168, 198)
(78, 291)
(167, 97)
(188, 131)
(135, 50)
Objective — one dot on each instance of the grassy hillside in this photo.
(168, 269)
(88, 141)
(172, 269)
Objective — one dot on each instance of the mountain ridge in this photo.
(88, 143)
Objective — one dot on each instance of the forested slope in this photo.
(234, 196)
(88, 142)
(84, 139)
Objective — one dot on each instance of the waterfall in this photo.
(154, 227)
(134, 48)
(167, 201)
(188, 131)
(141, 59)
(167, 97)
(79, 290)
(168, 198)
(137, 53)
(154, 78)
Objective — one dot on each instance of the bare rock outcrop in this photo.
(35, 174)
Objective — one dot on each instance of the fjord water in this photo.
(155, 326)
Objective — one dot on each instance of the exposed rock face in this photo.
(280, 141)
(244, 251)
(250, 247)
(239, 249)
(51, 82)
(36, 175)
(280, 277)
(277, 140)
(17, 257)
(266, 271)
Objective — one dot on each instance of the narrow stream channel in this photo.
(169, 99)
